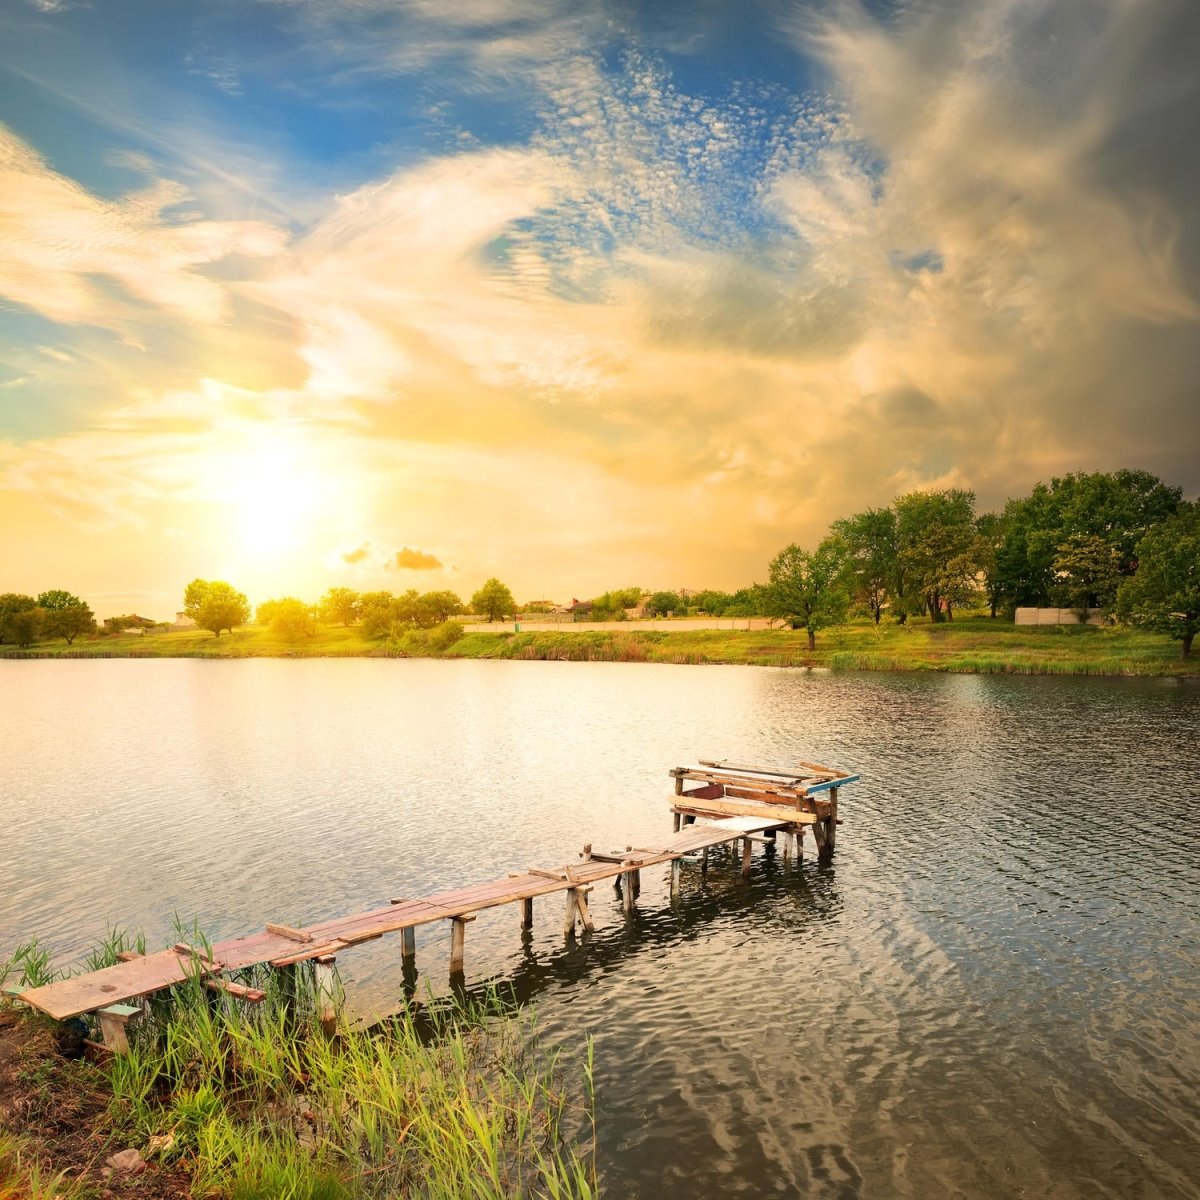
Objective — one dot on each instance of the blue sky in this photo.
(580, 295)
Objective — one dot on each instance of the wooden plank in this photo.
(831, 784)
(238, 990)
(124, 981)
(752, 808)
(293, 935)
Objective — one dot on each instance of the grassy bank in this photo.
(256, 1104)
(966, 645)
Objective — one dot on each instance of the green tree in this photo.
(11, 604)
(937, 547)
(24, 627)
(193, 597)
(611, 606)
(54, 601)
(215, 605)
(66, 616)
(807, 590)
(1163, 594)
(289, 618)
(68, 622)
(1088, 570)
(340, 605)
(435, 608)
(1118, 507)
(664, 604)
(376, 611)
(991, 529)
(493, 601)
(869, 539)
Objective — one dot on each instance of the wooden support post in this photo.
(831, 824)
(458, 929)
(627, 896)
(113, 1020)
(787, 844)
(408, 943)
(585, 915)
(704, 862)
(818, 831)
(577, 908)
(676, 875)
(527, 913)
(747, 851)
(325, 985)
(676, 822)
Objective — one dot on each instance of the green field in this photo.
(967, 645)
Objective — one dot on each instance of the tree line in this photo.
(1122, 543)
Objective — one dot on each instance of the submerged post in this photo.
(747, 851)
(458, 929)
(527, 913)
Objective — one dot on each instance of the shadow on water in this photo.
(786, 895)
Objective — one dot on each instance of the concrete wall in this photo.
(670, 626)
(1053, 616)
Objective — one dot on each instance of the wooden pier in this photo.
(735, 803)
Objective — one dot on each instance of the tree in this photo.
(288, 617)
(493, 601)
(434, 608)
(1163, 594)
(870, 545)
(937, 547)
(11, 605)
(806, 590)
(66, 616)
(1118, 507)
(1088, 570)
(663, 604)
(25, 625)
(57, 600)
(340, 604)
(69, 622)
(193, 597)
(991, 529)
(376, 613)
(611, 605)
(215, 605)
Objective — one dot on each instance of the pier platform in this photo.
(733, 803)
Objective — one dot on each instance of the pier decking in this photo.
(735, 802)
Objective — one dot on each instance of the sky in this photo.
(410, 293)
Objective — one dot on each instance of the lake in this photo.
(993, 991)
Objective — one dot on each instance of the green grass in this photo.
(974, 645)
(253, 1102)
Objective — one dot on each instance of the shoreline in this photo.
(969, 646)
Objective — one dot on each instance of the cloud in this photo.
(414, 560)
(78, 259)
(359, 554)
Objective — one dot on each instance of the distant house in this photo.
(579, 610)
(183, 621)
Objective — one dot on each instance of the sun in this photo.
(274, 490)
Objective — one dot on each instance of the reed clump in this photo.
(444, 1101)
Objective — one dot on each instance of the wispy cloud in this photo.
(65, 248)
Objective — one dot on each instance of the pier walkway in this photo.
(750, 804)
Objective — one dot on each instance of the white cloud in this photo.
(64, 247)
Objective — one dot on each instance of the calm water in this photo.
(993, 992)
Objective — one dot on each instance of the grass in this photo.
(255, 1102)
(973, 645)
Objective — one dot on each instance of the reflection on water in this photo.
(991, 992)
